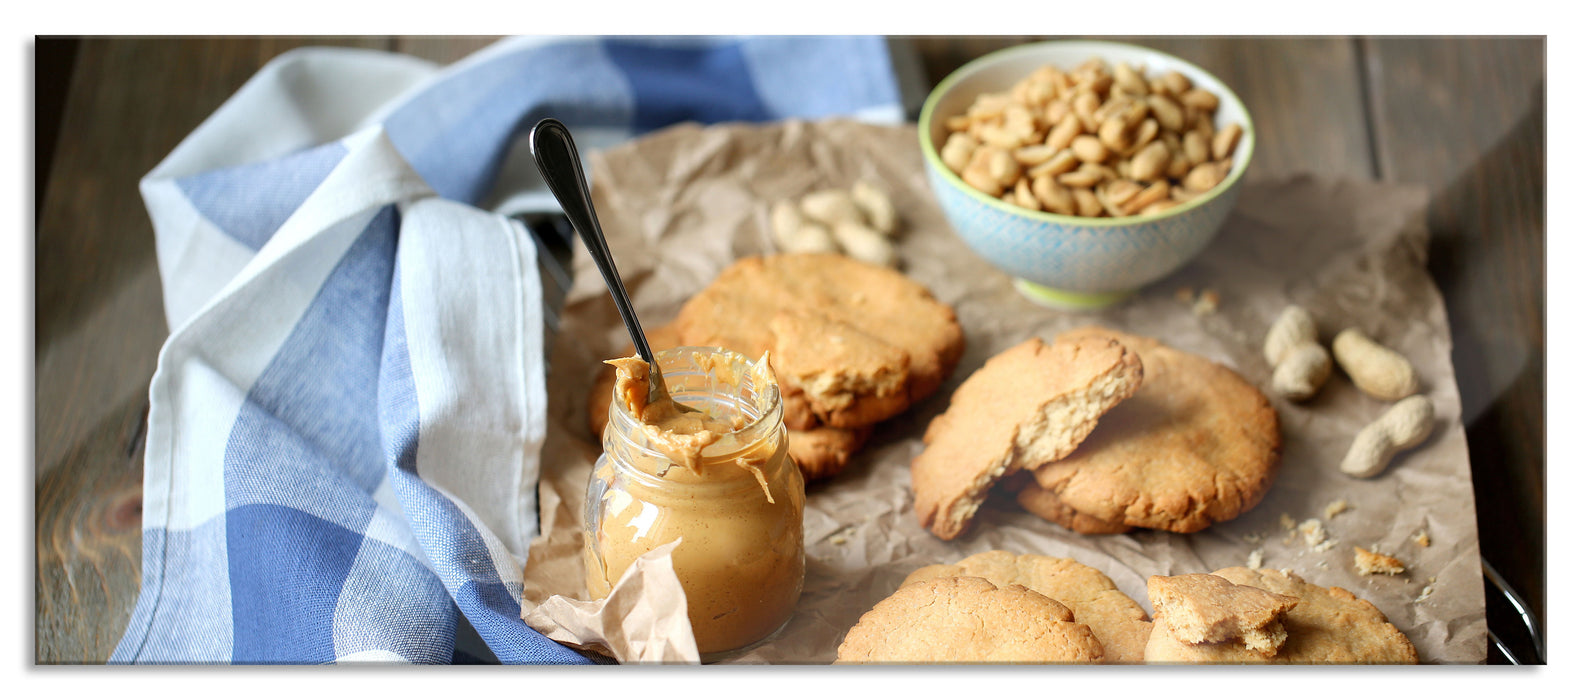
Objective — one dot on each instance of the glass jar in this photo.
(738, 513)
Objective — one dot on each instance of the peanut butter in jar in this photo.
(718, 479)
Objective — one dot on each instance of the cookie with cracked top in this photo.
(1027, 405)
(851, 343)
(1325, 626)
(964, 620)
(1119, 623)
(1195, 445)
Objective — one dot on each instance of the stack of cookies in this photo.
(1118, 431)
(851, 344)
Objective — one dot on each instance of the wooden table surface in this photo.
(1462, 116)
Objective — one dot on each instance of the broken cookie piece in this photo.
(1327, 626)
(1369, 562)
(1207, 609)
(1031, 404)
(1195, 445)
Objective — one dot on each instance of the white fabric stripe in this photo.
(201, 629)
(390, 524)
(373, 656)
(302, 98)
(518, 188)
(221, 351)
(468, 287)
(530, 353)
(196, 259)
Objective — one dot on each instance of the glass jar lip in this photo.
(773, 400)
(627, 437)
(743, 482)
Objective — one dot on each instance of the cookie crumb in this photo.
(1286, 521)
(1336, 508)
(1421, 538)
(1370, 562)
(1315, 537)
(1255, 559)
(1207, 303)
(841, 536)
(1185, 295)
(1427, 591)
(1252, 538)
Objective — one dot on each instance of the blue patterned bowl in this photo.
(1074, 261)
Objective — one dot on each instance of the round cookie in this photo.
(1326, 626)
(1046, 504)
(1195, 445)
(1117, 621)
(851, 343)
(1027, 405)
(820, 453)
(963, 620)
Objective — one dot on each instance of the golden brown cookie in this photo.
(1326, 626)
(1196, 445)
(824, 452)
(851, 343)
(820, 453)
(1046, 504)
(965, 620)
(1207, 609)
(1119, 623)
(1030, 404)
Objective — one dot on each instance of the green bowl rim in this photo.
(930, 154)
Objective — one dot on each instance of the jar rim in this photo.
(765, 410)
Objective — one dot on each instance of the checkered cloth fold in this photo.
(345, 422)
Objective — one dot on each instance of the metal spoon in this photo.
(557, 159)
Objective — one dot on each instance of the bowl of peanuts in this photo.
(1084, 169)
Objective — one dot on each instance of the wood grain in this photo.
(1466, 117)
(441, 50)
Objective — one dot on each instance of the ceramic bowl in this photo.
(1074, 261)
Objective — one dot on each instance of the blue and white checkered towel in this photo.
(345, 422)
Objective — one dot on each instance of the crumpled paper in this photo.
(680, 205)
(642, 620)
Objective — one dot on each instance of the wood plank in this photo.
(442, 50)
(1303, 94)
(1466, 117)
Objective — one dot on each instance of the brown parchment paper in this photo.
(681, 204)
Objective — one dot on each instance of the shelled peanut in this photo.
(1093, 141)
(858, 222)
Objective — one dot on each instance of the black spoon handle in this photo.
(556, 156)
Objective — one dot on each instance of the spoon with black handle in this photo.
(558, 162)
